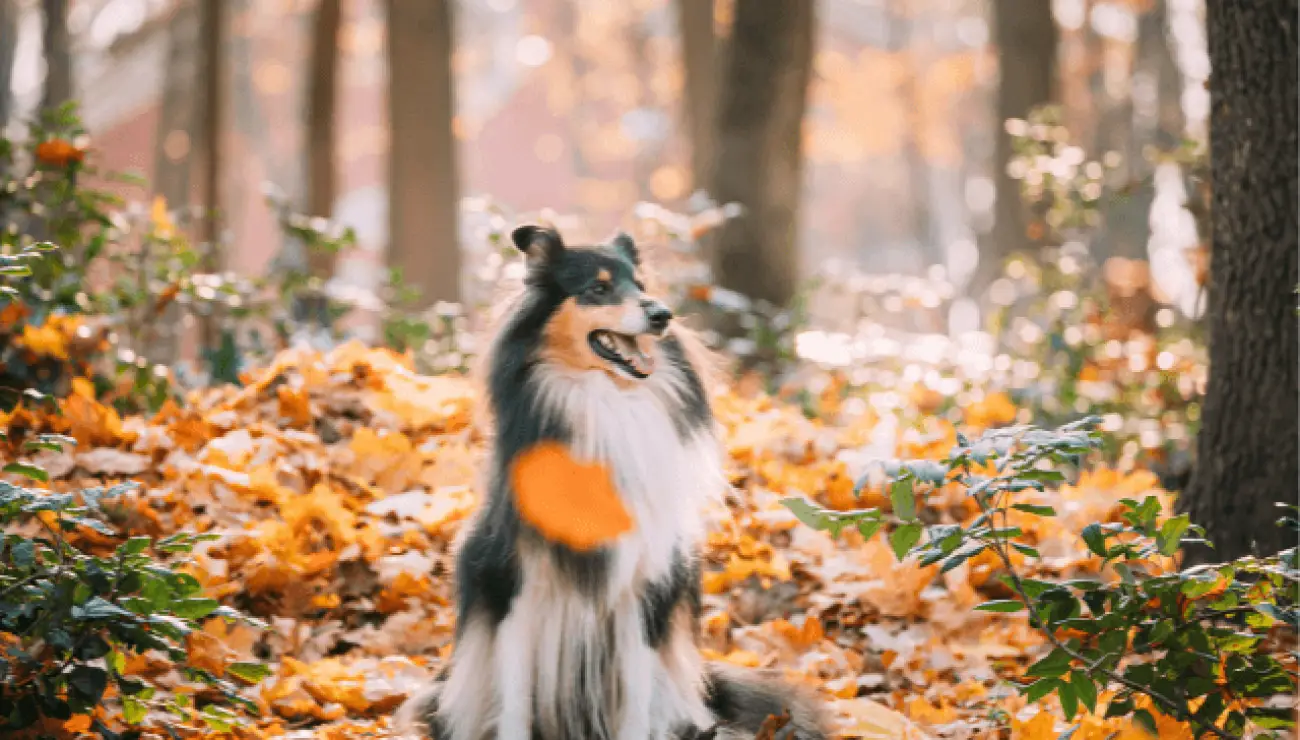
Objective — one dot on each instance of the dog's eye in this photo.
(601, 289)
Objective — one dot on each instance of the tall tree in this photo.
(174, 142)
(766, 69)
(58, 54)
(322, 97)
(1247, 450)
(423, 196)
(213, 111)
(1026, 37)
(174, 155)
(8, 44)
(700, 69)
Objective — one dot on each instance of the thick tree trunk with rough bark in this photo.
(423, 193)
(700, 68)
(1246, 454)
(322, 96)
(58, 54)
(759, 137)
(1026, 36)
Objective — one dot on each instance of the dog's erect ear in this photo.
(541, 244)
(623, 244)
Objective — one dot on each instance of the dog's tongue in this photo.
(630, 348)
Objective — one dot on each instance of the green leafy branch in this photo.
(1194, 642)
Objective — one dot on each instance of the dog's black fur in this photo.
(489, 570)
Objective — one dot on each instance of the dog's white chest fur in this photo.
(562, 655)
(663, 479)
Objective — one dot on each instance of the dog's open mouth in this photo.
(621, 351)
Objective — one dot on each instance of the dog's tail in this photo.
(418, 715)
(742, 700)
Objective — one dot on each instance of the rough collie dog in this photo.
(557, 643)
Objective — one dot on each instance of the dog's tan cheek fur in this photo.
(565, 338)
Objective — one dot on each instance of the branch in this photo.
(1171, 707)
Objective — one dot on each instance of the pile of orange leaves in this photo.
(337, 483)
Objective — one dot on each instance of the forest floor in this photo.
(338, 482)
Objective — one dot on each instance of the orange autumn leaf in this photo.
(59, 152)
(567, 501)
(294, 406)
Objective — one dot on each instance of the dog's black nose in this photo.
(657, 314)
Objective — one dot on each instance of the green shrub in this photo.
(70, 615)
(1200, 644)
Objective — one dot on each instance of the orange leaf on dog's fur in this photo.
(567, 501)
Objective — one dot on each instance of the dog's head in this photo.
(602, 318)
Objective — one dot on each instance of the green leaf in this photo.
(1001, 606)
(1055, 665)
(903, 499)
(98, 608)
(116, 662)
(136, 545)
(1026, 550)
(133, 710)
(89, 682)
(1142, 718)
(903, 539)
(23, 553)
(1171, 534)
(250, 672)
(1161, 631)
(34, 472)
(1069, 701)
(1035, 509)
(869, 527)
(1095, 539)
(807, 512)
(194, 608)
(1040, 688)
(1084, 689)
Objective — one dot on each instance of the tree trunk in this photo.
(423, 196)
(8, 43)
(1026, 35)
(1246, 453)
(174, 140)
(322, 95)
(700, 68)
(759, 137)
(174, 152)
(210, 117)
(58, 54)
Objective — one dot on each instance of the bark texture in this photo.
(700, 67)
(1246, 454)
(423, 192)
(58, 54)
(322, 96)
(759, 135)
(1026, 36)
(8, 44)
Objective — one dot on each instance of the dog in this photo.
(558, 643)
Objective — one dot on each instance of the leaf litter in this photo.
(336, 484)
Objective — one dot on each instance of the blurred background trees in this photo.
(587, 109)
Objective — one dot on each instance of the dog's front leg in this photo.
(513, 661)
(636, 668)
